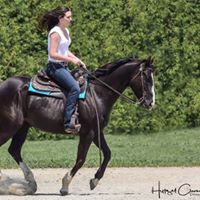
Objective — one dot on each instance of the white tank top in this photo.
(64, 43)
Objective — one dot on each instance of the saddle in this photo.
(41, 83)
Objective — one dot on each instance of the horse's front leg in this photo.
(84, 144)
(107, 156)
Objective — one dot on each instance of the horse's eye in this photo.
(147, 75)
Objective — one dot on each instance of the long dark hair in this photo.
(51, 18)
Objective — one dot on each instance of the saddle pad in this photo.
(59, 95)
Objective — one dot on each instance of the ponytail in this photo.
(51, 18)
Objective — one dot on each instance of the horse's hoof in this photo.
(64, 192)
(93, 183)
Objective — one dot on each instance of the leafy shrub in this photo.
(104, 31)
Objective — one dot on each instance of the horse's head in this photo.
(142, 83)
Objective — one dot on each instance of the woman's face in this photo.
(67, 19)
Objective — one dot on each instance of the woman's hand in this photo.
(76, 61)
(83, 65)
(79, 63)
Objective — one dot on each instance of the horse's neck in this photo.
(118, 80)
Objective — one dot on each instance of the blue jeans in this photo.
(61, 74)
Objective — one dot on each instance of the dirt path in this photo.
(117, 184)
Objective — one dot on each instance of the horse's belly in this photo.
(45, 113)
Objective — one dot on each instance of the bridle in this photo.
(141, 73)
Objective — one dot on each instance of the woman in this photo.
(56, 22)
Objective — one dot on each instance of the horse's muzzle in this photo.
(148, 104)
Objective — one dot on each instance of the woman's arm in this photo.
(70, 54)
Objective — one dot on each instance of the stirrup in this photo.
(73, 128)
(74, 118)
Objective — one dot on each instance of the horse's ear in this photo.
(152, 59)
(149, 61)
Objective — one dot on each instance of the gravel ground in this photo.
(117, 184)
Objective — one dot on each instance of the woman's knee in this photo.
(75, 89)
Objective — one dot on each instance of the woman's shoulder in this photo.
(55, 29)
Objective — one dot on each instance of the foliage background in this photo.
(104, 31)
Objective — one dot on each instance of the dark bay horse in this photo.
(21, 110)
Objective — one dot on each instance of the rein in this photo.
(124, 97)
(98, 126)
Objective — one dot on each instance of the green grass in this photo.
(174, 148)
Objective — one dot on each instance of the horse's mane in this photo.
(110, 67)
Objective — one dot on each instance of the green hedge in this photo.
(104, 31)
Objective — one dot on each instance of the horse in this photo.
(21, 110)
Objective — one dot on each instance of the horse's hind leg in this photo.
(15, 151)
